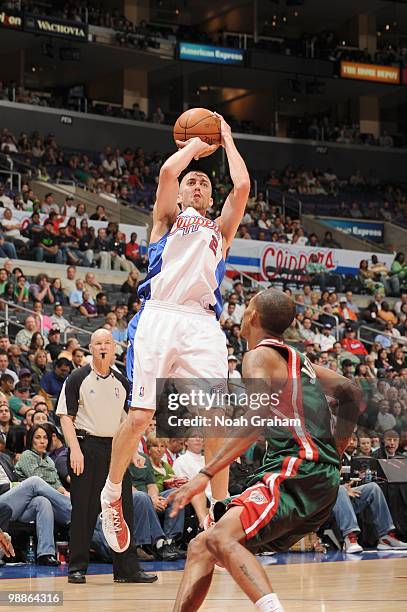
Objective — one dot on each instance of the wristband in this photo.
(206, 473)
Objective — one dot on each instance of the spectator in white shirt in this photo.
(230, 312)
(325, 340)
(188, 465)
(4, 199)
(385, 420)
(238, 310)
(58, 320)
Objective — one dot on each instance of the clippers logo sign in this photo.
(275, 258)
(268, 261)
(8, 20)
(56, 27)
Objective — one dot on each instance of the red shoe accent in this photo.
(114, 526)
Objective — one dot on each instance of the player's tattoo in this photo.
(252, 579)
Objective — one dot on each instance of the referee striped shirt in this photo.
(98, 404)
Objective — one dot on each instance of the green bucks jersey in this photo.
(302, 421)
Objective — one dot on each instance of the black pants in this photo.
(5, 516)
(85, 497)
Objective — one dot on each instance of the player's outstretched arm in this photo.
(350, 403)
(166, 207)
(256, 365)
(234, 207)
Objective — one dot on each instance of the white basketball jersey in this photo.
(186, 265)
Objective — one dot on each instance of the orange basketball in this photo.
(198, 122)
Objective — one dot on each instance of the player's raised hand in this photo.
(225, 129)
(184, 494)
(201, 148)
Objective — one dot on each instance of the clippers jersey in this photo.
(301, 398)
(186, 266)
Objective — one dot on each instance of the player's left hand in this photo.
(225, 129)
(184, 494)
(138, 460)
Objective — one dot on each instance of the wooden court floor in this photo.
(346, 586)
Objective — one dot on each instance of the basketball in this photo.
(198, 122)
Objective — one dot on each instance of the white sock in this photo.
(159, 543)
(213, 501)
(111, 491)
(269, 603)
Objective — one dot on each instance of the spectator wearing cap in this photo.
(346, 313)
(46, 245)
(24, 336)
(52, 382)
(58, 320)
(19, 402)
(26, 378)
(326, 339)
(232, 365)
(352, 344)
(54, 346)
(4, 363)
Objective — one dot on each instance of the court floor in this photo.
(305, 582)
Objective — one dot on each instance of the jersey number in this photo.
(213, 245)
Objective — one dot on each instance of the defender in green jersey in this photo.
(295, 489)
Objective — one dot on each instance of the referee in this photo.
(92, 404)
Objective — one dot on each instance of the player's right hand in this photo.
(182, 496)
(77, 462)
(5, 543)
(200, 147)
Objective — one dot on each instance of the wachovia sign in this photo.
(73, 30)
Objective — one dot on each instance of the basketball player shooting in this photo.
(293, 492)
(176, 332)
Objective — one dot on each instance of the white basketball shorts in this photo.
(173, 341)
